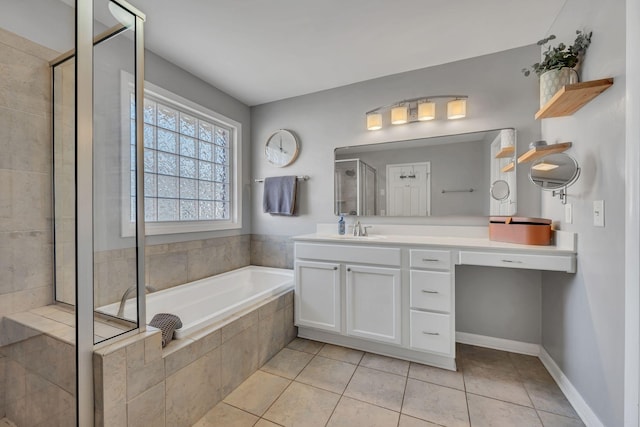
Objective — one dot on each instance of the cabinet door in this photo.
(373, 303)
(317, 295)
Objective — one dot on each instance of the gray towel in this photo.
(167, 323)
(280, 195)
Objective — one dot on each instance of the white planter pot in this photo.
(551, 82)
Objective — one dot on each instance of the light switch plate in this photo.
(568, 213)
(598, 213)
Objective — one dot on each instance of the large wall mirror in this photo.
(470, 174)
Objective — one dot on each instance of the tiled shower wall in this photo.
(25, 175)
(38, 380)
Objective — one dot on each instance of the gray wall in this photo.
(499, 97)
(583, 314)
(499, 302)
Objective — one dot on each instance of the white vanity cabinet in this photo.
(377, 298)
(395, 294)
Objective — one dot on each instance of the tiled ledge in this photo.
(55, 321)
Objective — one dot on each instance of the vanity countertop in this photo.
(565, 241)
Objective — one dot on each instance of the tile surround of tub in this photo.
(272, 251)
(178, 385)
(168, 265)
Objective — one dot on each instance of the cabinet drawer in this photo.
(431, 290)
(431, 332)
(535, 262)
(346, 253)
(421, 258)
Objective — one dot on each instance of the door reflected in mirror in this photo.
(450, 175)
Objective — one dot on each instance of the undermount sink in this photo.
(351, 237)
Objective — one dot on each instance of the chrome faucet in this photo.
(357, 228)
(360, 230)
(125, 296)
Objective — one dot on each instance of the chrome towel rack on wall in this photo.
(470, 190)
(299, 177)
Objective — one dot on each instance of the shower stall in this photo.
(355, 187)
(92, 98)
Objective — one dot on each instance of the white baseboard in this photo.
(498, 343)
(589, 418)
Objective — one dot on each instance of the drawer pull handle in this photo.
(348, 269)
(335, 268)
(430, 259)
(430, 333)
(512, 261)
(426, 291)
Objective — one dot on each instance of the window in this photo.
(191, 165)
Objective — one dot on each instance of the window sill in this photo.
(162, 228)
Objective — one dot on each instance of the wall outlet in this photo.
(598, 213)
(568, 213)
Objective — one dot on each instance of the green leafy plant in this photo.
(562, 55)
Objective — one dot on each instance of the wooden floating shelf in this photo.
(572, 97)
(543, 150)
(505, 152)
(509, 167)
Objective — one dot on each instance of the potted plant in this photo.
(559, 65)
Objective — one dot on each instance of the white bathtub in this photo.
(209, 300)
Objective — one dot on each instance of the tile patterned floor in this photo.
(315, 384)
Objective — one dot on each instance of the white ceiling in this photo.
(265, 50)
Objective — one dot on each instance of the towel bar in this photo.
(470, 190)
(300, 178)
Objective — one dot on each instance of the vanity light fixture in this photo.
(417, 109)
(544, 166)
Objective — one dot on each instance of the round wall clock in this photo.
(282, 148)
